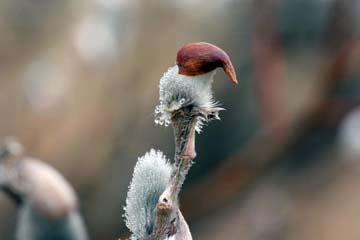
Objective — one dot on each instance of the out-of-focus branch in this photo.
(269, 66)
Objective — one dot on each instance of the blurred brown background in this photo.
(79, 83)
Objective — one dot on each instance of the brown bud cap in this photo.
(199, 58)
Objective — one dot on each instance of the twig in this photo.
(184, 122)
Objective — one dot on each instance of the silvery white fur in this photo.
(178, 91)
(150, 178)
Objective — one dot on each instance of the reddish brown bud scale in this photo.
(199, 58)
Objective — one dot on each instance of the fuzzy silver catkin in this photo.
(178, 91)
(150, 178)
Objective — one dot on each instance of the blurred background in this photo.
(79, 83)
